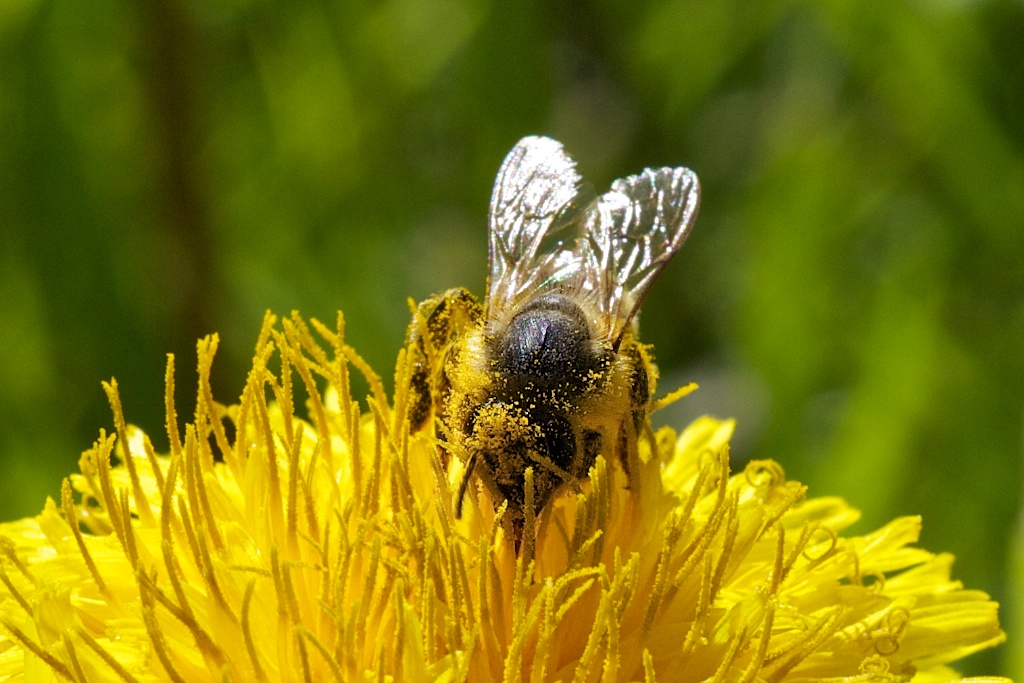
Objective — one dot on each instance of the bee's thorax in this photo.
(547, 346)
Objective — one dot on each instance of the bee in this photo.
(548, 373)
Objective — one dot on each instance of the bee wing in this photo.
(533, 222)
(630, 233)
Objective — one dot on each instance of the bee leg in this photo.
(464, 484)
(626, 451)
(591, 449)
(639, 390)
(629, 429)
(420, 396)
(436, 322)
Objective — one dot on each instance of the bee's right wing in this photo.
(630, 233)
(533, 226)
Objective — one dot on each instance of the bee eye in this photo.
(470, 423)
(491, 421)
(559, 441)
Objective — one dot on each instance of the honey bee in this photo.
(548, 373)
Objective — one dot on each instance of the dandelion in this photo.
(265, 546)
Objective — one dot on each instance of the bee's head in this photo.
(508, 438)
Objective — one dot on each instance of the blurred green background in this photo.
(853, 292)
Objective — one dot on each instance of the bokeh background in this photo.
(853, 292)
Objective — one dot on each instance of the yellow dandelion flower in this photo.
(265, 546)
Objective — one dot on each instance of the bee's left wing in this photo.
(533, 223)
(629, 234)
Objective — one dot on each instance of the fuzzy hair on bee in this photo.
(547, 373)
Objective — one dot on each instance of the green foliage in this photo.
(853, 291)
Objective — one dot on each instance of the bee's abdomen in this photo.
(546, 345)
